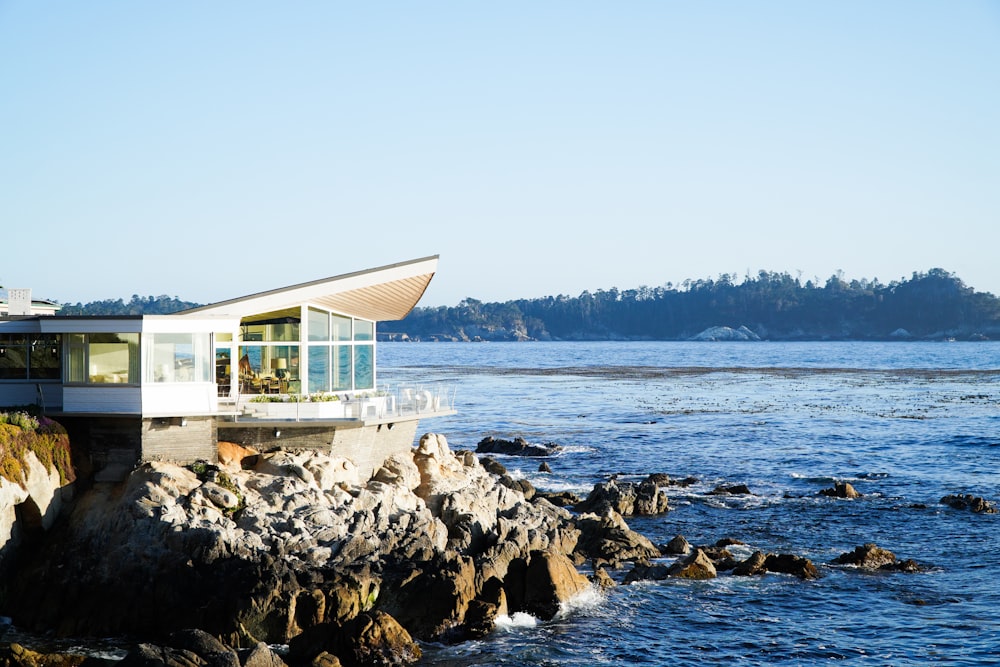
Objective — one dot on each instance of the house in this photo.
(294, 367)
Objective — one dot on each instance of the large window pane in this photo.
(13, 357)
(178, 357)
(113, 358)
(364, 367)
(364, 330)
(341, 327)
(319, 368)
(46, 358)
(319, 324)
(77, 361)
(342, 367)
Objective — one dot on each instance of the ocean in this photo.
(904, 423)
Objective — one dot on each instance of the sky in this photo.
(209, 150)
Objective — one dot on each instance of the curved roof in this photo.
(384, 293)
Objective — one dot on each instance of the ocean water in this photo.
(904, 423)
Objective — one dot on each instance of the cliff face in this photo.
(35, 474)
(297, 542)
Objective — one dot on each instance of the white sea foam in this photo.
(518, 619)
(588, 599)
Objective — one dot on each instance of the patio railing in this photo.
(403, 401)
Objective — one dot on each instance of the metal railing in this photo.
(401, 401)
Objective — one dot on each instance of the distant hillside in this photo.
(160, 305)
(771, 306)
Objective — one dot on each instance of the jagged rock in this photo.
(299, 547)
(602, 579)
(696, 566)
(868, 556)
(372, 638)
(544, 467)
(677, 546)
(969, 502)
(559, 498)
(841, 490)
(712, 334)
(516, 447)
(150, 655)
(731, 490)
(625, 498)
(608, 539)
(756, 563)
(236, 457)
(550, 579)
(15, 655)
(801, 567)
(261, 655)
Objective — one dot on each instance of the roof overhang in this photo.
(384, 293)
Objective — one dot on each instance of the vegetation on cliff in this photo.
(21, 433)
(775, 306)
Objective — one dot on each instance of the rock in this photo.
(755, 564)
(550, 579)
(516, 447)
(713, 334)
(625, 498)
(559, 498)
(544, 467)
(236, 457)
(261, 655)
(602, 579)
(868, 556)
(791, 564)
(608, 539)
(399, 469)
(677, 546)
(732, 490)
(372, 638)
(15, 655)
(150, 655)
(841, 490)
(492, 466)
(696, 566)
(969, 502)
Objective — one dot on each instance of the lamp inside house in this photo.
(280, 367)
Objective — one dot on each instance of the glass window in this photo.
(77, 370)
(341, 327)
(364, 330)
(178, 357)
(113, 358)
(364, 368)
(46, 358)
(319, 368)
(13, 357)
(342, 367)
(319, 324)
(286, 330)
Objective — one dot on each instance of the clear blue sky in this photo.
(208, 150)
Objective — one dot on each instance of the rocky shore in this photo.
(212, 564)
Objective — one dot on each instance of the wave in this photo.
(517, 620)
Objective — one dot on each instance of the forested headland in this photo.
(935, 305)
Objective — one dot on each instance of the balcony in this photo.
(401, 403)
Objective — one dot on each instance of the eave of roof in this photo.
(384, 293)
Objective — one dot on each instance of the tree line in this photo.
(775, 306)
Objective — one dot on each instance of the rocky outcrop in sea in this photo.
(298, 550)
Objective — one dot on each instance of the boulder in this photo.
(731, 490)
(15, 655)
(625, 498)
(969, 502)
(677, 546)
(801, 567)
(841, 490)
(696, 566)
(756, 563)
(868, 556)
(236, 457)
(549, 580)
(607, 539)
(371, 639)
(516, 447)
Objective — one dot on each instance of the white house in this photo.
(293, 367)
